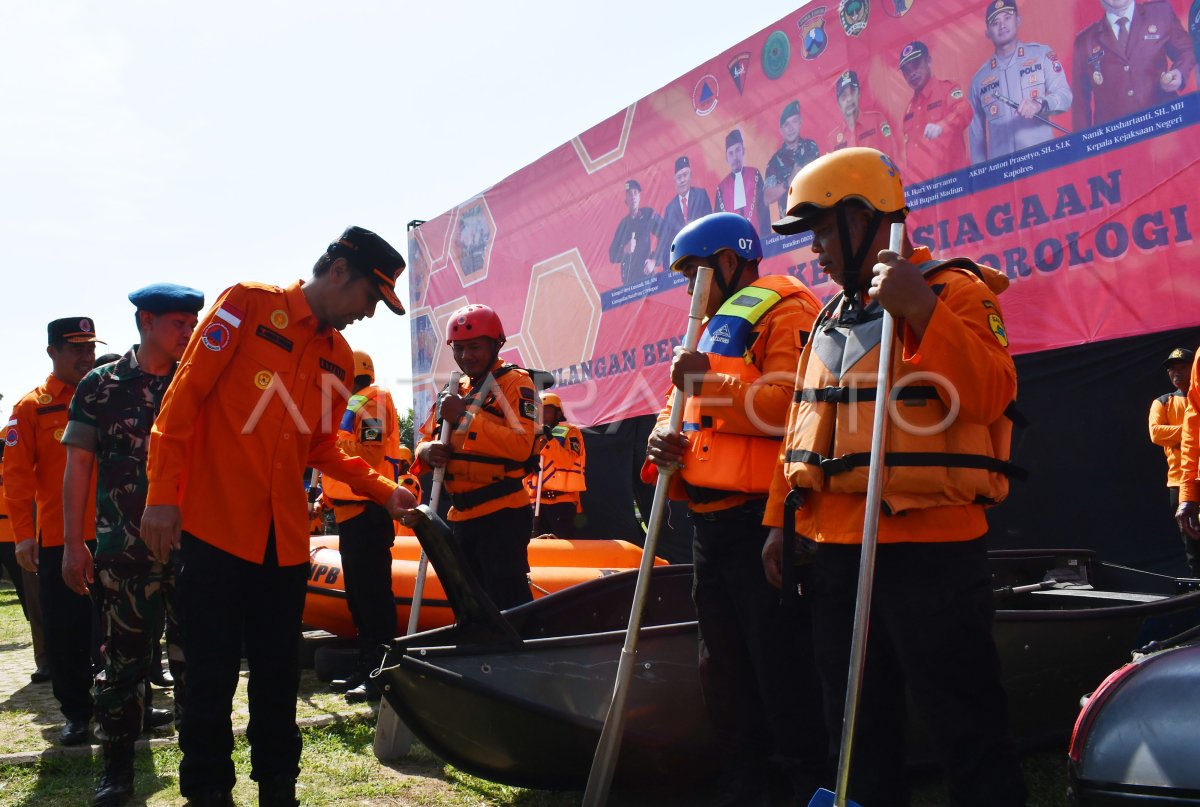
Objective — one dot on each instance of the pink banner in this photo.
(1050, 141)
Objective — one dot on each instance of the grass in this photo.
(338, 766)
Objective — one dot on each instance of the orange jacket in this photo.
(255, 401)
(1166, 430)
(563, 465)
(871, 129)
(492, 443)
(962, 357)
(1189, 448)
(34, 463)
(6, 530)
(369, 429)
(739, 405)
(942, 102)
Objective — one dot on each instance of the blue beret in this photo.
(167, 298)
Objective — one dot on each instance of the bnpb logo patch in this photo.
(215, 336)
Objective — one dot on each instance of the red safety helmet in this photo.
(473, 321)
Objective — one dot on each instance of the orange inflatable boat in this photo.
(554, 564)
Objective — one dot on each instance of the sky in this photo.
(218, 142)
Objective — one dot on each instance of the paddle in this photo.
(537, 499)
(605, 761)
(392, 737)
(866, 567)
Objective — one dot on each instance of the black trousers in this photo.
(8, 563)
(69, 622)
(366, 548)
(224, 602)
(930, 632)
(497, 547)
(1191, 546)
(760, 685)
(557, 518)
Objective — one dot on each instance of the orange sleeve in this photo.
(425, 435)
(199, 369)
(1162, 431)
(760, 407)
(325, 455)
(961, 347)
(1189, 487)
(20, 482)
(959, 116)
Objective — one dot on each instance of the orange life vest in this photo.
(562, 461)
(933, 458)
(718, 462)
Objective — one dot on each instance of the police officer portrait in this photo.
(1017, 91)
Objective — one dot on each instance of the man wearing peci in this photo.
(688, 204)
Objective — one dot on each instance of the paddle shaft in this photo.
(605, 762)
(537, 498)
(439, 474)
(866, 568)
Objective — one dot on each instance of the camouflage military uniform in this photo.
(111, 414)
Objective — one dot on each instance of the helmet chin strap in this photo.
(724, 287)
(854, 260)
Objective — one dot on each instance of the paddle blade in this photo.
(826, 798)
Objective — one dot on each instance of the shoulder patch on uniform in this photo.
(529, 410)
(997, 326)
(231, 314)
(10, 433)
(371, 431)
(575, 446)
(216, 336)
(274, 337)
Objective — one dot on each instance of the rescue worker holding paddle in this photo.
(494, 418)
(370, 430)
(759, 683)
(945, 461)
(562, 469)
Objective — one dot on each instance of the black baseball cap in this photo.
(1180, 354)
(373, 257)
(76, 330)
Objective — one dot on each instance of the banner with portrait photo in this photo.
(1039, 136)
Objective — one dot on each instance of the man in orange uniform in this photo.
(936, 119)
(860, 127)
(26, 585)
(947, 452)
(34, 462)
(402, 463)
(759, 684)
(562, 467)
(493, 414)
(371, 430)
(1168, 414)
(251, 406)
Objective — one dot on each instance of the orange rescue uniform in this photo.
(756, 408)
(964, 353)
(943, 102)
(563, 464)
(871, 130)
(370, 430)
(1166, 430)
(1189, 448)
(6, 531)
(34, 464)
(255, 401)
(491, 444)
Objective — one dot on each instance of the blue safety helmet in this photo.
(710, 234)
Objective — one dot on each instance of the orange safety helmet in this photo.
(405, 453)
(860, 174)
(552, 399)
(363, 365)
(473, 321)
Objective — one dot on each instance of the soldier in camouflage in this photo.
(109, 425)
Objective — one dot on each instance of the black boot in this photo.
(210, 798)
(116, 783)
(278, 791)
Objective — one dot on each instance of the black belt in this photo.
(754, 507)
(551, 494)
(474, 498)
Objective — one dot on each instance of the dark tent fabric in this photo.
(1095, 479)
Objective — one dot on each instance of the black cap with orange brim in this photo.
(375, 258)
(72, 329)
